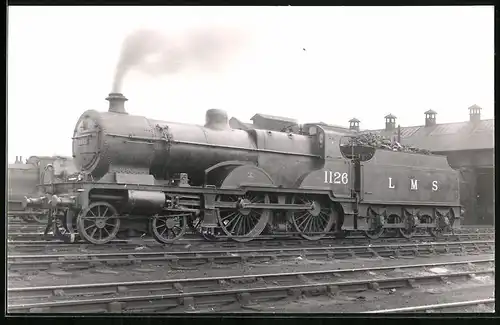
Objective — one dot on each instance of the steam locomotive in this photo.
(243, 184)
(24, 178)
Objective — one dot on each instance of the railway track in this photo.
(25, 228)
(451, 307)
(196, 258)
(35, 231)
(31, 235)
(22, 246)
(187, 294)
(18, 224)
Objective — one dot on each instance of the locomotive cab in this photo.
(318, 138)
(326, 142)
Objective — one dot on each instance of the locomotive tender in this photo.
(24, 178)
(243, 184)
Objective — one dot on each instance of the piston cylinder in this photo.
(62, 201)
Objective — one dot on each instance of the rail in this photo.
(434, 307)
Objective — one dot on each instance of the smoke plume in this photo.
(156, 54)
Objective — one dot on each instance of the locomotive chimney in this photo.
(216, 119)
(390, 122)
(116, 103)
(430, 118)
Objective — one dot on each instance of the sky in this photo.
(309, 63)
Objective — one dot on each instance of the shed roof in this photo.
(447, 136)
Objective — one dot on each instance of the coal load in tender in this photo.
(380, 142)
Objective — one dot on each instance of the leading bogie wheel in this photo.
(313, 224)
(243, 224)
(169, 228)
(98, 223)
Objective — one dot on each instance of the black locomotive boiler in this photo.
(243, 184)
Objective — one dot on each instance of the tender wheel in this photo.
(243, 224)
(375, 222)
(167, 229)
(98, 223)
(434, 232)
(318, 220)
(444, 224)
(374, 233)
(407, 232)
(391, 219)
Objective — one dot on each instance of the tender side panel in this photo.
(387, 157)
(397, 179)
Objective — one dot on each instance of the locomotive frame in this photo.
(182, 201)
(178, 206)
